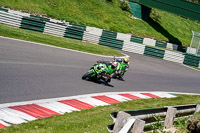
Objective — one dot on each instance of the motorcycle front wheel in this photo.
(87, 75)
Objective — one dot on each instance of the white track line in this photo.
(62, 48)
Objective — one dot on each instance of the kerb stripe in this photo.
(77, 104)
(150, 95)
(35, 110)
(1, 125)
(106, 99)
(130, 96)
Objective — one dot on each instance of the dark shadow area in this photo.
(163, 31)
(100, 82)
(144, 12)
(118, 78)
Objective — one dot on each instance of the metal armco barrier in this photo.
(154, 52)
(174, 56)
(10, 19)
(134, 48)
(111, 42)
(75, 31)
(88, 37)
(55, 29)
(191, 60)
(111, 39)
(137, 39)
(32, 24)
(40, 18)
(148, 115)
(161, 44)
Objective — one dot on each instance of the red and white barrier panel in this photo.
(22, 112)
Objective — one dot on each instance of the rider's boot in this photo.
(121, 78)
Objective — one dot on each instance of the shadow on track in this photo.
(100, 82)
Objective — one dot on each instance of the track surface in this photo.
(30, 72)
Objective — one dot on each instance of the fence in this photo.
(195, 43)
(111, 39)
(122, 119)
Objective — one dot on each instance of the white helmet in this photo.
(114, 65)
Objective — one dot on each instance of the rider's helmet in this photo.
(114, 65)
(126, 60)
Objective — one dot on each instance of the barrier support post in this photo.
(169, 119)
(197, 108)
(121, 120)
(138, 126)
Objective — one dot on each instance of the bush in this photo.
(125, 6)
(155, 15)
(193, 124)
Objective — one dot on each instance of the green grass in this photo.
(95, 119)
(196, 68)
(106, 15)
(182, 123)
(56, 41)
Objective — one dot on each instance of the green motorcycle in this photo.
(98, 72)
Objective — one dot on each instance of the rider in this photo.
(111, 66)
(124, 62)
(123, 67)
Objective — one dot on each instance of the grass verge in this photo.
(196, 68)
(95, 119)
(107, 15)
(38, 37)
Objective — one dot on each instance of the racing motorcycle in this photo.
(97, 72)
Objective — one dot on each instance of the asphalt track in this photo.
(30, 71)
